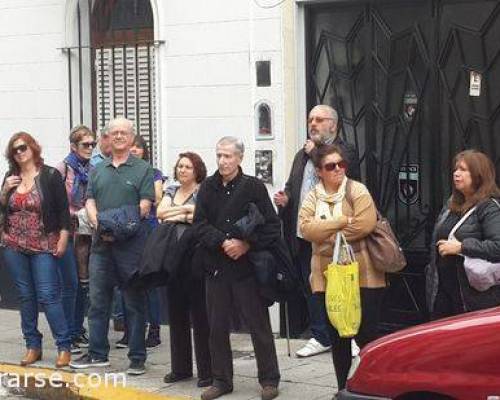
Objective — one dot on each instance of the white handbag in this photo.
(481, 274)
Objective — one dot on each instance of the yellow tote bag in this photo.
(342, 297)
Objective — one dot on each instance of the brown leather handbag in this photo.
(382, 245)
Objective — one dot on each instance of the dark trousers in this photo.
(222, 295)
(186, 308)
(318, 319)
(371, 301)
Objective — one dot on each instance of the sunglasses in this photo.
(333, 165)
(319, 120)
(87, 145)
(19, 149)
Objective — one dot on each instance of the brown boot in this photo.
(269, 392)
(63, 359)
(214, 392)
(31, 357)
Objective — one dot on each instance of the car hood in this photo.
(456, 323)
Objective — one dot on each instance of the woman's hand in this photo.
(449, 247)
(11, 182)
(62, 243)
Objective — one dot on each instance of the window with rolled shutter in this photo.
(124, 65)
(124, 86)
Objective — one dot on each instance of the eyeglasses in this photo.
(333, 165)
(319, 120)
(19, 149)
(88, 145)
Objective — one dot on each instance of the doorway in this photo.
(402, 75)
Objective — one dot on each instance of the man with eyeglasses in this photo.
(322, 127)
(119, 196)
(73, 266)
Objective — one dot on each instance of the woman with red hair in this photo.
(35, 233)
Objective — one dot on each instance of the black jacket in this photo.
(218, 207)
(55, 211)
(294, 183)
(165, 254)
(480, 237)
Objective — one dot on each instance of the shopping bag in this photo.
(342, 297)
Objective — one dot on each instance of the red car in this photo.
(453, 358)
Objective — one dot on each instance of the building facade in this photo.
(414, 83)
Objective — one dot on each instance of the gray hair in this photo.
(121, 121)
(330, 110)
(236, 142)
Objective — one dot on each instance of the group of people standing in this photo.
(62, 255)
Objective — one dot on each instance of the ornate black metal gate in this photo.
(414, 82)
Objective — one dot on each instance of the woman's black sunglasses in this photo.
(19, 149)
(333, 165)
(88, 145)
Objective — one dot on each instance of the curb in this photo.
(55, 384)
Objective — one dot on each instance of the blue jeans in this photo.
(153, 304)
(68, 274)
(103, 279)
(37, 281)
(318, 318)
(118, 309)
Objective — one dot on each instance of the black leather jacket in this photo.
(480, 237)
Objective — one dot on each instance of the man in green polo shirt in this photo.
(121, 180)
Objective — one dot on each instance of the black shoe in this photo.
(123, 342)
(204, 382)
(153, 339)
(82, 341)
(75, 349)
(87, 361)
(172, 377)
(136, 368)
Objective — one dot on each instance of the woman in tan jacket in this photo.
(340, 204)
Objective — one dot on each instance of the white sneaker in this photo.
(311, 348)
(354, 348)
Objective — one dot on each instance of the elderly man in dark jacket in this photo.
(223, 199)
(322, 129)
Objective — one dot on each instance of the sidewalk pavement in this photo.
(312, 378)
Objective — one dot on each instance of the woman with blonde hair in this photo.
(338, 204)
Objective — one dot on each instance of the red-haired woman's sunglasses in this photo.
(333, 165)
(19, 149)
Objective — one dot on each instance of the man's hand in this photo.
(235, 248)
(308, 146)
(449, 247)
(281, 199)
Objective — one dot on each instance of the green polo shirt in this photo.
(113, 187)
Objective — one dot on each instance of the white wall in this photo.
(32, 74)
(208, 87)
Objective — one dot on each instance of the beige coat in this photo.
(322, 235)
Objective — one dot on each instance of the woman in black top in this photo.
(35, 233)
(478, 237)
(186, 293)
